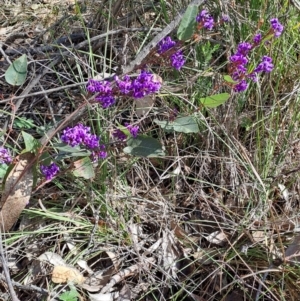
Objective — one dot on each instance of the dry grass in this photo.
(212, 220)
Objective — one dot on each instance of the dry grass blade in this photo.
(17, 191)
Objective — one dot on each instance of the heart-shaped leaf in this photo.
(144, 146)
(84, 168)
(17, 71)
(229, 79)
(31, 144)
(67, 151)
(187, 24)
(214, 101)
(186, 124)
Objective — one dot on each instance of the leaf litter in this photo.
(154, 245)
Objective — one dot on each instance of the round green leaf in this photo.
(144, 146)
(186, 124)
(17, 71)
(84, 168)
(31, 144)
(229, 79)
(214, 100)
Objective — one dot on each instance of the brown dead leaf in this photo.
(63, 274)
(143, 105)
(258, 236)
(292, 253)
(217, 237)
(17, 192)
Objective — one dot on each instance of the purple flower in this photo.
(133, 130)
(277, 27)
(257, 39)
(5, 157)
(244, 48)
(124, 85)
(50, 171)
(225, 18)
(91, 141)
(100, 153)
(102, 87)
(265, 65)
(80, 134)
(239, 61)
(253, 76)
(241, 86)
(238, 74)
(118, 134)
(205, 19)
(165, 44)
(76, 135)
(104, 90)
(105, 100)
(177, 60)
(144, 85)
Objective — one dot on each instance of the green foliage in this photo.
(187, 24)
(31, 144)
(205, 52)
(24, 123)
(67, 151)
(144, 146)
(229, 79)
(16, 73)
(3, 170)
(214, 101)
(71, 295)
(186, 124)
(84, 168)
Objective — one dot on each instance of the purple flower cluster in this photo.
(239, 69)
(5, 157)
(50, 171)
(139, 87)
(118, 134)
(144, 84)
(257, 39)
(240, 59)
(121, 136)
(225, 18)
(177, 59)
(276, 27)
(133, 130)
(81, 135)
(104, 90)
(165, 44)
(100, 153)
(206, 20)
(265, 65)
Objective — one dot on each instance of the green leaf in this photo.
(229, 79)
(187, 24)
(214, 101)
(67, 151)
(71, 295)
(186, 124)
(84, 168)
(17, 71)
(23, 123)
(144, 146)
(31, 144)
(3, 170)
